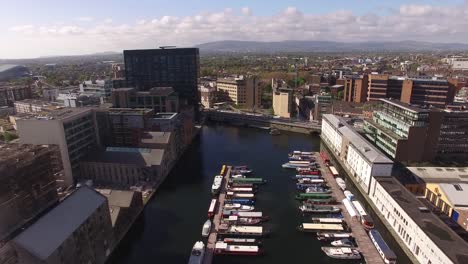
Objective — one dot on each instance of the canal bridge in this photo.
(259, 120)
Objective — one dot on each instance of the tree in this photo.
(340, 95)
(7, 136)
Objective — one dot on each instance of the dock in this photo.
(213, 237)
(363, 241)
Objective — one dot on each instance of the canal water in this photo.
(173, 219)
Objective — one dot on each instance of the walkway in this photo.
(208, 259)
(366, 247)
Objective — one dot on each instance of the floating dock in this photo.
(213, 237)
(366, 247)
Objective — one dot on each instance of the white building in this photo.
(360, 157)
(423, 233)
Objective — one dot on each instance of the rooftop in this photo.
(445, 238)
(50, 231)
(117, 199)
(409, 107)
(371, 153)
(440, 174)
(133, 156)
(165, 115)
(457, 193)
(56, 114)
(156, 137)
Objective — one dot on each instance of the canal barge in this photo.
(223, 248)
(249, 231)
(333, 235)
(305, 208)
(317, 227)
(384, 250)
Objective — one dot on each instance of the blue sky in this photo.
(53, 27)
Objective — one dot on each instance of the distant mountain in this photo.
(235, 46)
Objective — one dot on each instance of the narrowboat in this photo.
(345, 242)
(241, 201)
(384, 250)
(309, 172)
(240, 240)
(248, 180)
(318, 190)
(241, 189)
(239, 207)
(333, 235)
(310, 181)
(330, 200)
(366, 220)
(223, 248)
(304, 196)
(327, 220)
(236, 220)
(240, 195)
(250, 231)
(319, 209)
(316, 227)
(212, 208)
(301, 176)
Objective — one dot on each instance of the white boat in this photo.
(342, 252)
(342, 243)
(349, 195)
(216, 186)
(341, 183)
(238, 176)
(198, 253)
(239, 207)
(206, 228)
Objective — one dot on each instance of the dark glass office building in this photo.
(167, 67)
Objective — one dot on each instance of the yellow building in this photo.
(242, 91)
(451, 199)
(282, 102)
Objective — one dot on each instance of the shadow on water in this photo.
(172, 220)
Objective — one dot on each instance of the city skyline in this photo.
(54, 28)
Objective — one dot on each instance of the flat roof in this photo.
(51, 230)
(164, 115)
(55, 114)
(131, 156)
(456, 193)
(411, 108)
(156, 137)
(369, 151)
(443, 236)
(440, 174)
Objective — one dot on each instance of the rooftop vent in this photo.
(423, 209)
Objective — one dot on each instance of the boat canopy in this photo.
(320, 226)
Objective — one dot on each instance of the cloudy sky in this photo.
(32, 28)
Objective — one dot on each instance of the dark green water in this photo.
(173, 219)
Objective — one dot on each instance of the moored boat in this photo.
(333, 235)
(366, 220)
(319, 190)
(341, 183)
(349, 195)
(304, 186)
(239, 207)
(237, 230)
(237, 176)
(241, 171)
(241, 185)
(223, 248)
(319, 209)
(327, 220)
(240, 240)
(330, 200)
(304, 153)
(384, 250)
(216, 186)
(301, 176)
(241, 201)
(345, 242)
(240, 195)
(316, 227)
(206, 228)
(310, 181)
(309, 171)
(198, 253)
(248, 180)
(236, 220)
(304, 196)
(212, 208)
(241, 189)
(342, 252)
(296, 164)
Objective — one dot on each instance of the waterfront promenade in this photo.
(213, 237)
(366, 247)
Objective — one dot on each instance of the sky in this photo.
(33, 28)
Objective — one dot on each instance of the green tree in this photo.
(7, 136)
(340, 95)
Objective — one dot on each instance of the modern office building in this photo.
(361, 159)
(208, 96)
(72, 129)
(34, 105)
(410, 133)
(283, 102)
(78, 230)
(166, 67)
(100, 88)
(10, 94)
(160, 99)
(243, 91)
(27, 184)
(355, 89)
(322, 105)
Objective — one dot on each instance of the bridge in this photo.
(259, 120)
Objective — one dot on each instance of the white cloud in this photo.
(414, 22)
(85, 19)
(246, 11)
(108, 20)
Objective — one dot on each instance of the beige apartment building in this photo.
(242, 91)
(282, 102)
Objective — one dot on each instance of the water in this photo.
(173, 219)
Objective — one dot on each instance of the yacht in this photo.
(198, 252)
(342, 252)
